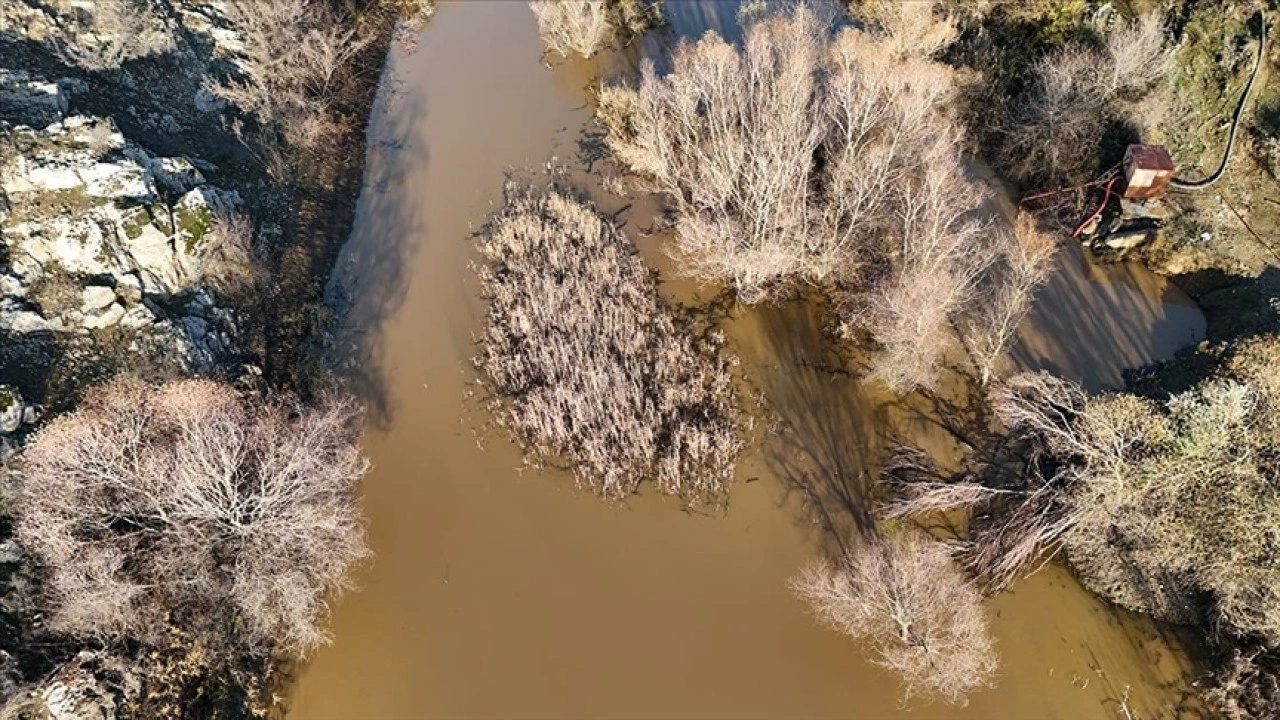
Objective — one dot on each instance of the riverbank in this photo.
(155, 228)
(493, 576)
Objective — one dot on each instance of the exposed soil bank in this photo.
(497, 593)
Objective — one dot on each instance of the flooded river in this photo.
(498, 593)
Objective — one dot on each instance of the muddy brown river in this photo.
(502, 593)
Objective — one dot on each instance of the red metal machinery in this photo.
(1147, 172)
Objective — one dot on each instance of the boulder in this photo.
(107, 317)
(95, 298)
(93, 686)
(11, 409)
(129, 288)
(24, 321)
(123, 180)
(25, 100)
(12, 286)
(137, 317)
(11, 553)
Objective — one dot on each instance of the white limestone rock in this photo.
(11, 409)
(108, 316)
(95, 298)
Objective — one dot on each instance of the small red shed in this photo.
(1147, 171)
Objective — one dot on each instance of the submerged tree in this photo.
(825, 158)
(573, 27)
(583, 27)
(909, 600)
(595, 369)
(189, 506)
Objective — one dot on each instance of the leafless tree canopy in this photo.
(1024, 262)
(596, 369)
(908, 599)
(573, 27)
(186, 504)
(293, 51)
(820, 158)
(1053, 135)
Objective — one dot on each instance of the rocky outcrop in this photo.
(97, 234)
(14, 412)
(92, 686)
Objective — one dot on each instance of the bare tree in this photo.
(187, 504)
(908, 599)
(595, 369)
(1025, 262)
(1135, 57)
(573, 27)
(820, 158)
(292, 53)
(1050, 136)
(911, 28)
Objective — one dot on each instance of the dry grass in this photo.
(813, 158)
(594, 368)
(1248, 686)
(910, 602)
(188, 505)
(107, 33)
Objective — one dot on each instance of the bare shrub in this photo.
(1028, 524)
(911, 603)
(293, 51)
(225, 261)
(1160, 501)
(1053, 134)
(596, 369)
(808, 157)
(107, 33)
(56, 292)
(187, 504)
(573, 27)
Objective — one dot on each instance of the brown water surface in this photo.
(498, 593)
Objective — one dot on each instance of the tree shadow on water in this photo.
(369, 283)
(823, 435)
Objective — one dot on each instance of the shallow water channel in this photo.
(498, 593)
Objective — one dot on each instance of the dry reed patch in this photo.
(589, 366)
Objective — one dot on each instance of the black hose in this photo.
(1235, 119)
